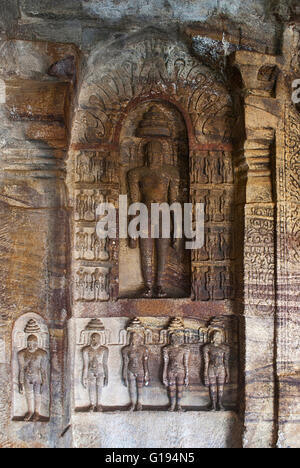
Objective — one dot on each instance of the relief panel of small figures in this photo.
(218, 246)
(213, 283)
(212, 178)
(159, 364)
(211, 168)
(92, 284)
(87, 201)
(95, 168)
(89, 246)
(218, 204)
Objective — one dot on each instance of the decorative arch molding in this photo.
(150, 66)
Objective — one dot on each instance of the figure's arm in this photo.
(92, 241)
(125, 366)
(206, 365)
(146, 366)
(134, 192)
(105, 366)
(173, 198)
(44, 365)
(174, 187)
(186, 359)
(21, 377)
(166, 364)
(85, 357)
(226, 364)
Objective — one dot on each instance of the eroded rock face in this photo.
(102, 99)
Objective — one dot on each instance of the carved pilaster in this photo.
(255, 171)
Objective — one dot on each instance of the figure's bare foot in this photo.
(147, 293)
(222, 407)
(92, 408)
(211, 407)
(132, 407)
(99, 409)
(160, 292)
(36, 417)
(171, 408)
(180, 409)
(139, 407)
(28, 416)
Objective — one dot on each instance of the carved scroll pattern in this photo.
(289, 242)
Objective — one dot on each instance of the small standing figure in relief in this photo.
(99, 285)
(135, 365)
(82, 243)
(176, 358)
(81, 283)
(98, 246)
(216, 369)
(95, 371)
(33, 364)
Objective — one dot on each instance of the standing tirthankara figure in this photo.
(95, 371)
(155, 182)
(135, 365)
(33, 363)
(176, 358)
(216, 368)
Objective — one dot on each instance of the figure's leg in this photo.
(37, 401)
(139, 389)
(180, 384)
(92, 393)
(132, 391)
(162, 246)
(29, 393)
(172, 393)
(221, 384)
(146, 251)
(99, 388)
(213, 392)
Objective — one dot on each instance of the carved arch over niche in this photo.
(119, 77)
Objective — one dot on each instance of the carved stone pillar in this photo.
(33, 240)
(288, 243)
(261, 109)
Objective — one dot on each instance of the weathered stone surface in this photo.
(89, 92)
(136, 430)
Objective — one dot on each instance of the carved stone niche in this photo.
(135, 362)
(147, 95)
(30, 369)
(154, 169)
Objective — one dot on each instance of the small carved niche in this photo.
(30, 369)
(154, 167)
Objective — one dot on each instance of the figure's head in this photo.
(217, 338)
(95, 340)
(136, 338)
(154, 153)
(177, 338)
(32, 343)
